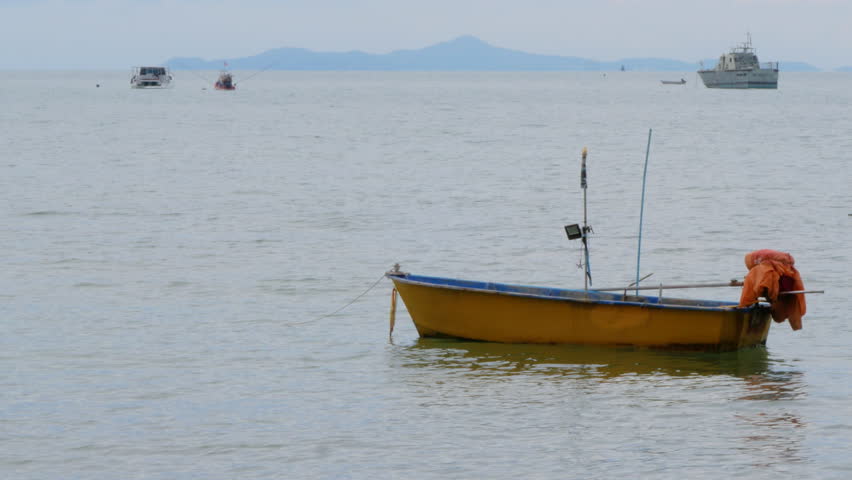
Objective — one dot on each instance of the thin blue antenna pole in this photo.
(642, 211)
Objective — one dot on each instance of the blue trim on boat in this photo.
(561, 294)
(745, 85)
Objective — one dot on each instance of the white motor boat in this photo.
(150, 77)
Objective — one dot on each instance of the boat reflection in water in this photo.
(486, 358)
(747, 401)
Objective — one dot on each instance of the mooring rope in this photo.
(341, 308)
(392, 313)
(261, 71)
(186, 69)
(206, 80)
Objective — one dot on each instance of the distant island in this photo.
(464, 53)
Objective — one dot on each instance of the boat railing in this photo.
(732, 283)
(659, 288)
(769, 65)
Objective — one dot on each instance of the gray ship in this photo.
(740, 69)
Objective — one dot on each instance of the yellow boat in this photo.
(496, 312)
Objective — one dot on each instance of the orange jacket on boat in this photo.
(771, 272)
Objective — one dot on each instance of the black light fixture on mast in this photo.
(574, 231)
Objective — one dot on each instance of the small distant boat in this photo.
(225, 80)
(673, 82)
(150, 77)
(740, 69)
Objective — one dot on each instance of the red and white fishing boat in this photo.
(225, 80)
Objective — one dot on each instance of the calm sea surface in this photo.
(170, 258)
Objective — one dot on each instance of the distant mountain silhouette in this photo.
(465, 53)
(797, 67)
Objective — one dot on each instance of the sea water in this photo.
(171, 259)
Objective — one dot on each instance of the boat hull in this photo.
(492, 312)
(754, 78)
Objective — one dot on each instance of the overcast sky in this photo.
(116, 34)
